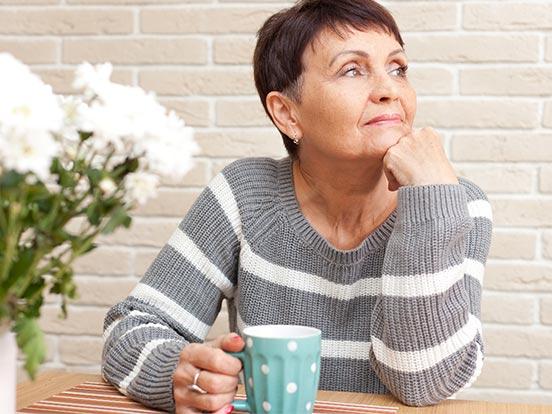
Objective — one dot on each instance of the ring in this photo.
(194, 386)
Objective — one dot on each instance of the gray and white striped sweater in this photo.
(400, 313)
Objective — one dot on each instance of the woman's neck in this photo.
(343, 202)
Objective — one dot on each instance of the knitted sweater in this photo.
(400, 313)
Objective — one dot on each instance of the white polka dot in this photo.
(313, 367)
(292, 387)
(266, 406)
(265, 369)
(249, 343)
(309, 406)
(292, 346)
(250, 380)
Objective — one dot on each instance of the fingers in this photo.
(211, 359)
(210, 402)
(231, 342)
(217, 383)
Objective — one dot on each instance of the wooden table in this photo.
(51, 383)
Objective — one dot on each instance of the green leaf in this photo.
(93, 212)
(118, 218)
(85, 135)
(30, 340)
(94, 176)
(19, 269)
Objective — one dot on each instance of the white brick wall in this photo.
(483, 73)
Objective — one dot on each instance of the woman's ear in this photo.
(284, 114)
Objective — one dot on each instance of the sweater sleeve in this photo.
(426, 331)
(177, 300)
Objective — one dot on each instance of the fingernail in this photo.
(229, 409)
(234, 337)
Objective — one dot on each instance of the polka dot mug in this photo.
(281, 367)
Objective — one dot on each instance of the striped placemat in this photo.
(100, 398)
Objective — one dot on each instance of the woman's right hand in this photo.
(219, 376)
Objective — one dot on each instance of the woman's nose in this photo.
(385, 89)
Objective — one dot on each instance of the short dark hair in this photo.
(277, 63)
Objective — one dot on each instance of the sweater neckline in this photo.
(377, 239)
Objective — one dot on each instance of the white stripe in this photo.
(223, 193)
(330, 348)
(114, 324)
(480, 208)
(303, 281)
(146, 325)
(475, 269)
(345, 349)
(415, 361)
(403, 286)
(171, 308)
(187, 248)
(148, 349)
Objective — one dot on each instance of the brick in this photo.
(548, 51)
(518, 342)
(80, 350)
(546, 311)
(545, 375)
(66, 21)
(506, 374)
(80, 320)
(21, 2)
(213, 81)
(519, 212)
(520, 396)
(472, 48)
(545, 179)
(135, 51)
(499, 179)
(31, 51)
(518, 278)
(222, 19)
(241, 143)
(169, 202)
(105, 261)
(233, 49)
(547, 244)
(513, 245)
(198, 176)
(502, 147)
(423, 16)
(219, 164)
(477, 113)
(547, 119)
(431, 81)
(101, 290)
(194, 112)
(506, 81)
(508, 308)
(144, 232)
(517, 16)
(248, 112)
(61, 80)
(120, 2)
(143, 260)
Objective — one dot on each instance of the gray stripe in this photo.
(351, 375)
(197, 295)
(212, 233)
(434, 384)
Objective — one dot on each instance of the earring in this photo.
(295, 139)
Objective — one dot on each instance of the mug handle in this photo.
(240, 405)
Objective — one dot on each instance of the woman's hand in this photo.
(219, 376)
(418, 158)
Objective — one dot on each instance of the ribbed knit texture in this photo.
(400, 313)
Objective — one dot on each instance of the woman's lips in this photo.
(385, 122)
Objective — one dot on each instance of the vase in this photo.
(8, 370)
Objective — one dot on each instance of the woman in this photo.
(364, 232)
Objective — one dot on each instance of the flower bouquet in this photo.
(71, 168)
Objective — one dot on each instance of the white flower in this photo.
(25, 101)
(140, 187)
(108, 186)
(27, 150)
(92, 79)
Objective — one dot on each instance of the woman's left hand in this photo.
(418, 158)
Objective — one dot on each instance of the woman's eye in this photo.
(401, 71)
(352, 72)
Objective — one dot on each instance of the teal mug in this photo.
(281, 367)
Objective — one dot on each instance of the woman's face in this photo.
(346, 83)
